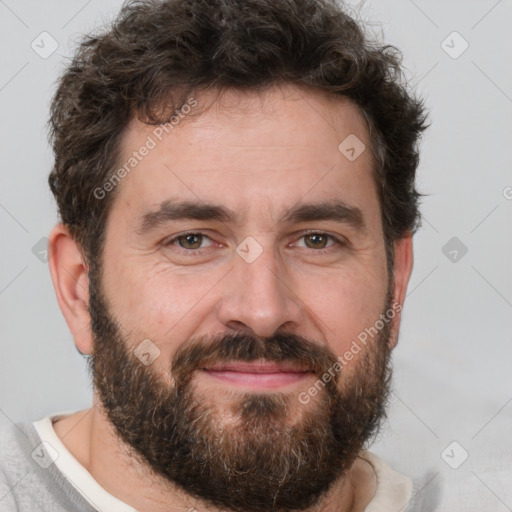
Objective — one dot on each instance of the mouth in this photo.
(257, 374)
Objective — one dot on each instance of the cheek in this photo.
(344, 304)
(152, 302)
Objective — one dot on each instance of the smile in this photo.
(257, 374)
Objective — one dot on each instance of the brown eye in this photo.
(317, 240)
(320, 243)
(190, 241)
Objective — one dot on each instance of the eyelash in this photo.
(198, 252)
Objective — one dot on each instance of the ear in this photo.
(404, 261)
(71, 282)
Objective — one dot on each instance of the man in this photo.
(249, 370)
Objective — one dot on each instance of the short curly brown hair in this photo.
(156, 53)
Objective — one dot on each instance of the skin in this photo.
(259, 155)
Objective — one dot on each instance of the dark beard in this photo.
(260, 462)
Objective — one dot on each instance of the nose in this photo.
(259, 298)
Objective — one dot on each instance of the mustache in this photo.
(242, 347)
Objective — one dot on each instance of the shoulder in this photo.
(398, 492)
(394, 490)
(17, 441)
(29, 479)
(16, 445)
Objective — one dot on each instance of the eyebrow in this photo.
(169, 210)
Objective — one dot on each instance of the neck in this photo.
(92, 440)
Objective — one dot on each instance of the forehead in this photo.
(254, 151)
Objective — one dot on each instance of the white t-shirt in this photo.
(394, 490)
(77, 475)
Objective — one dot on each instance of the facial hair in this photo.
(260, 462)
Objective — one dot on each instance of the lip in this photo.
(257, 374)
(257, 367)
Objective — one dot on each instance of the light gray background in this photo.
(453, 362)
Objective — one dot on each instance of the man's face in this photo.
(256, 286)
